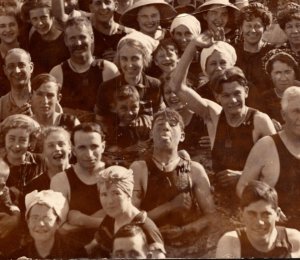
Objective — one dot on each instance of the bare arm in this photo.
(110, 70)
(140, 175)
(60, 183)
(57, 73)
(263, 126)
(229, 246)
(80, 219)
(58, 10)
(294, 238)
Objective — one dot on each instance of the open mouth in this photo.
(58, 156)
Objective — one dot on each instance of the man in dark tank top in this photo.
(260, 237)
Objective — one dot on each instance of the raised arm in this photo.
(58, 9)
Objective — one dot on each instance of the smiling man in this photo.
(79, 183)
(260, 237)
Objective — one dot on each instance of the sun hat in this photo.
(206, 6)
(129, 17)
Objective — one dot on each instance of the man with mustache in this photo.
(81, 74)
(18, 69)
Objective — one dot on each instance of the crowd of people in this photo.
(149, 129)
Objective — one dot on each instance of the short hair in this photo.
(258, 190)
(288, 95)
(17, 51)
(165, 45)
(131, 230)
(169, 113)
(283, 55)
(292, 11)
(79, 21)
(54, 129)
(254, 10)
(87, 127)
(34, 4)
(227, 76)
(138, 46)
(126, 92)
(42, 79)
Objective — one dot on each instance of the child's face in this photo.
(166, 59)
(127, 110)
(16, 142)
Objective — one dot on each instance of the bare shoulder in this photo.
(228, 246)
(198, 173)
(263, 123)
(294, 238)
(59, 181)
(139, 169)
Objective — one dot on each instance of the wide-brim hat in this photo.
(129, 17)
(205, 6)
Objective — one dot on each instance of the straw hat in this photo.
(205, 6)
(129, 17)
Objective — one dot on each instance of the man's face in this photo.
(130, 247)
(17, 142)
(182, 36)
(131, 61)
(9, 29)
(148, 18)
(282, 76)
(291, 116)
(57, 149)
(292, 31)
(171, 98)
(216, 17)
(41, 20)
(232, 98)
(88, 148)
(167, 132)
(127, 110)
(45, 99)
(252, 30)
(18, 69)
(259, 219)
(79, 41)
(103, 10)
(166, 59)
(42, 223)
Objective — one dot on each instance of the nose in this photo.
(295, 29)
(17, 69)
(45, 100)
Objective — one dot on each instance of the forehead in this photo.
(217, 55)
(127, 50)
(259, 206)
(74, 30)
(41, 209)
(217, 9)
(19, 132)
(279, 65)
(7, 19)
(132, 100)
(252, 19)
(50, 87)
(294, 103)
(86, 138)
(39, 11)
(181, 28)
(230, 87)
(147, 9)
(14, 57)
(293, 21)
(57, 136)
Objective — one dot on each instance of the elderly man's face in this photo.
(42, 223)
(18, 69)
(291, 116)
(130, 247)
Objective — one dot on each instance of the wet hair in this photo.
(256, 191)
(79, 21)
(18, 51)
(291, 12)
(165, 45)
(131, 230)
(138, 46)
(42, 79)
(34, 4)
(54, 129)
(88, 127)
(226, 76)
(254, 10)
(169, 113)
(283, 55)
(288, 95)
(126, 92)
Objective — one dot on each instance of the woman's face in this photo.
(131, 61)
(9, 29)
(41, 20)
(216, 62)
(113, 200)
(252, 30)
(216, 17)
(182, 36)
(57, 149)
(148, 18)
(42, 223)
(282, 76)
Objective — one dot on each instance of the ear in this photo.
(103, 146)
(182, 137)
(279, 213)
(59, 97)
(240, 215)
(283, 115)
(246, 91)
(205, 16)
(31, 67)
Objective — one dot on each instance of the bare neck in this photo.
(44, 248)
(253, 48)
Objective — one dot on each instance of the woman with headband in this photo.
(115, 189)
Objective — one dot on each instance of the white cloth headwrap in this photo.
(149, 43)
(222, 47)
(187, 20)
(53, 199)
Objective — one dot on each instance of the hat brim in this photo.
(206, 6)
(129, 17)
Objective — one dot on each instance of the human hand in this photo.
(205, 142)
(171, 232)
(24, 109)
(204, 40)
(74, 217)
(228, 177)
(219, 34)
(277, 125)
(182, 201)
